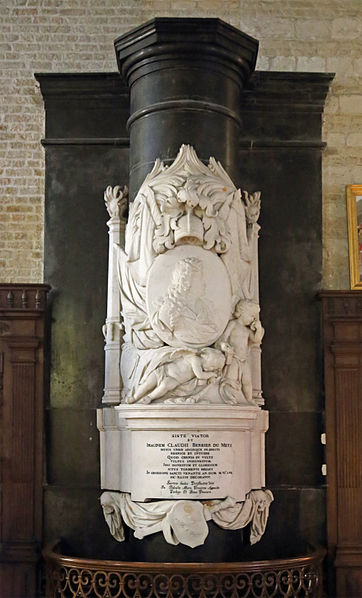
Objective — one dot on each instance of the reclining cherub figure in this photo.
(181, 367)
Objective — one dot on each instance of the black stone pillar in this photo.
(185, 78)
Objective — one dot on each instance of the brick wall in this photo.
(77, 35)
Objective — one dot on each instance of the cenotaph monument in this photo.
(183, 421)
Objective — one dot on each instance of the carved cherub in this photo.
(245, 329)
(167, 377)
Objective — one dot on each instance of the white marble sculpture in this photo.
(242, 331)
(186, 266)
(185, 521)
(116, 201)
(188, 289)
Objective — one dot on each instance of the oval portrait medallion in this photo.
(188, 297)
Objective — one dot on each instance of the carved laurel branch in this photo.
(116, 200)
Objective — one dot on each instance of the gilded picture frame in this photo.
(354, 219)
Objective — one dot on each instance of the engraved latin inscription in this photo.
(190, 464)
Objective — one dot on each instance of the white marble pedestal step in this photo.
(181, 452)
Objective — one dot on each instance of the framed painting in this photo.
(354, 215)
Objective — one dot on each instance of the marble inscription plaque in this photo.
(188, 464)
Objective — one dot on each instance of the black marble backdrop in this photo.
(87, 148)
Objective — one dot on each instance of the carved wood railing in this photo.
(22, 310)
(73, 577)
(342, 332)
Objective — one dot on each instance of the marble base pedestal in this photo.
(180, 452)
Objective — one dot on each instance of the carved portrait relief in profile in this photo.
(185, 306)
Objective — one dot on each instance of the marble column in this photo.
(185, 78)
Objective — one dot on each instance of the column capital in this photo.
(164, 38)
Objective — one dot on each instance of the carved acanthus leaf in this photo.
(189, 188)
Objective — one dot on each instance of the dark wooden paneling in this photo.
(21, 429)
(342, 317)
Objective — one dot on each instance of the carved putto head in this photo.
(212, 359)
(246, 310)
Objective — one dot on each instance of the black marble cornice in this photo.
(84, 106)
(265, 89)
(172, 36)
(278, 91)
(80, 85)
(93, 108)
